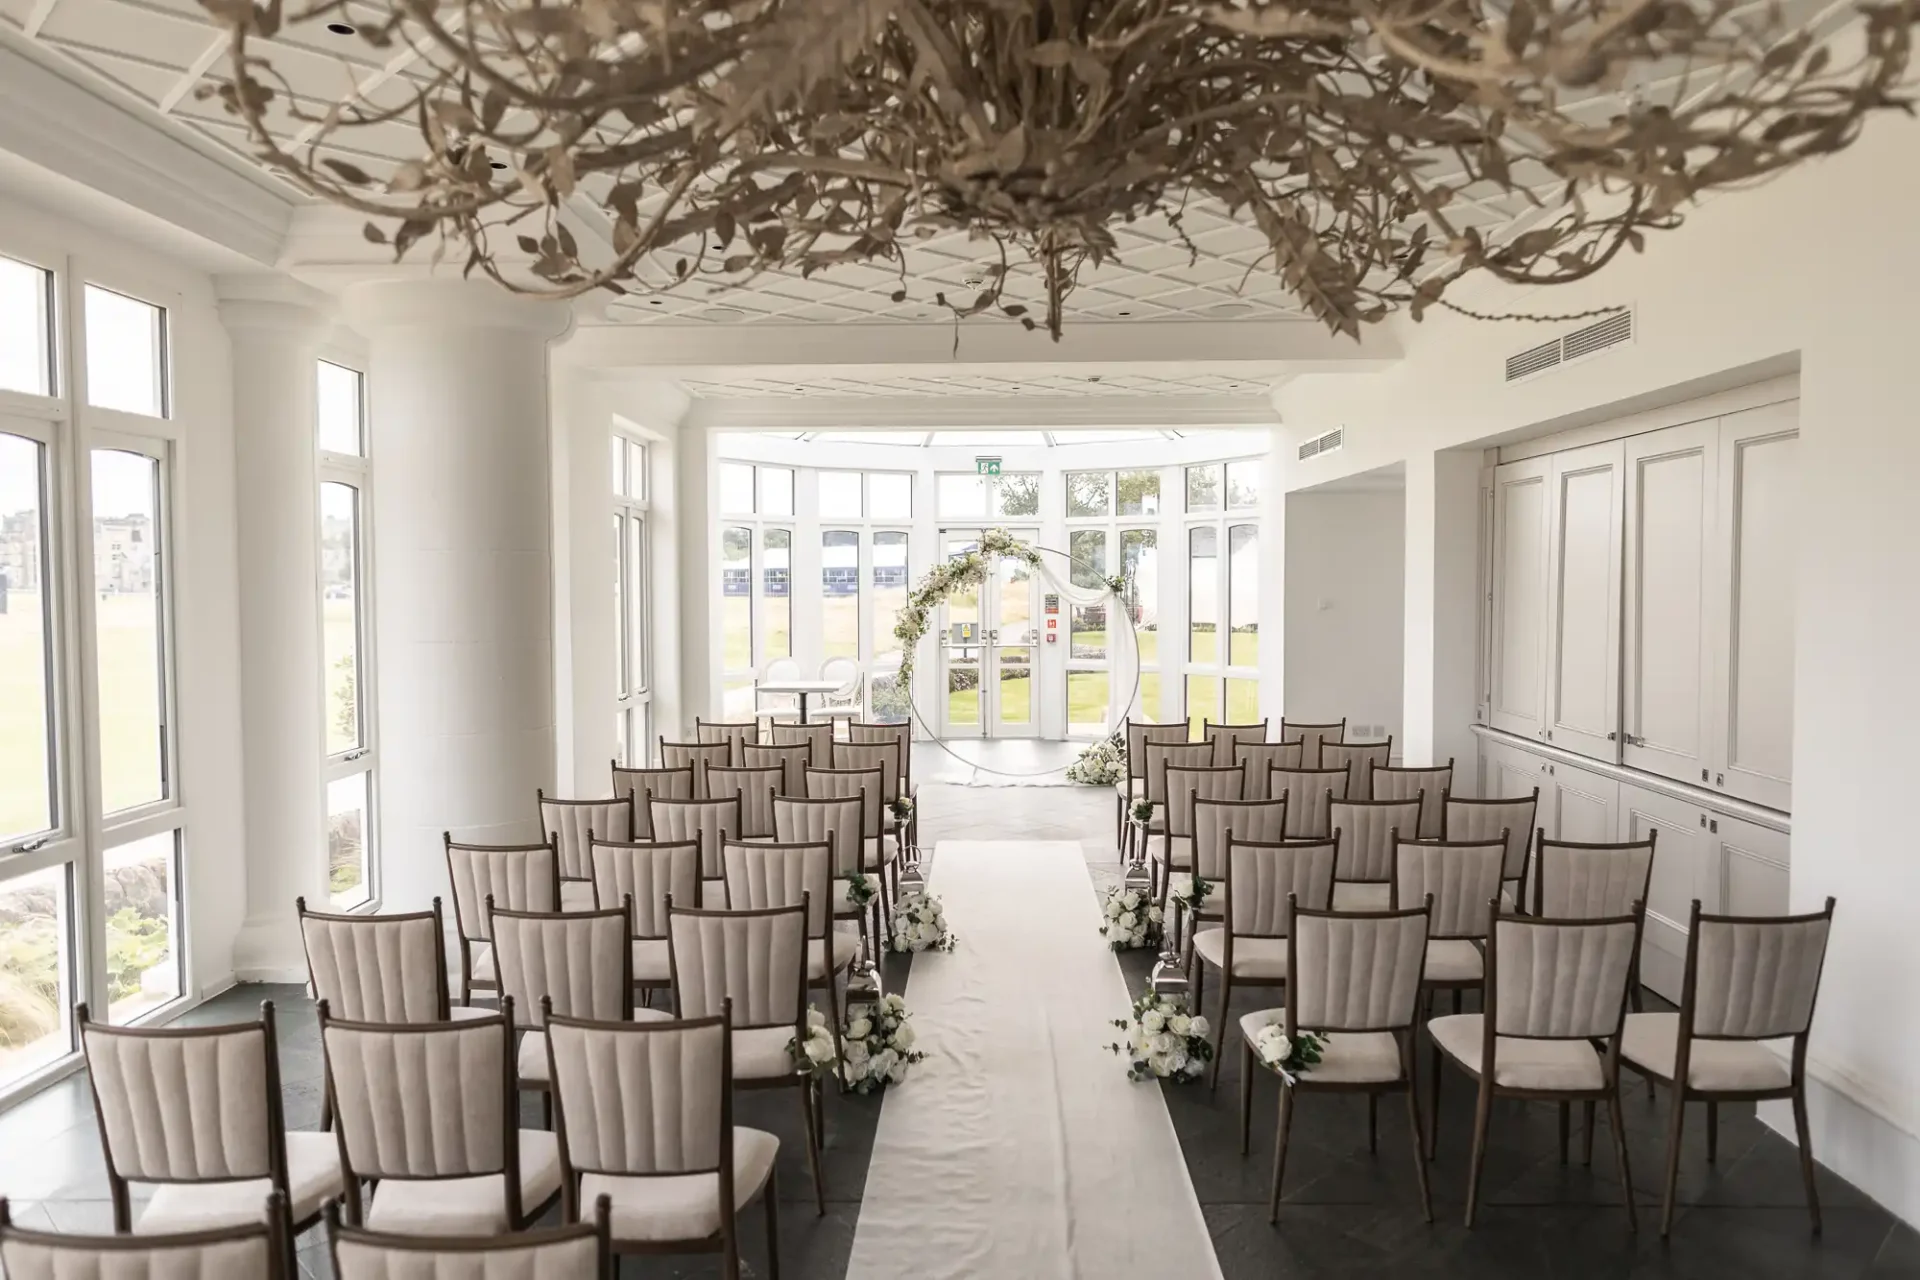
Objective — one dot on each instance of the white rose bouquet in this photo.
(901, 809)
(1193, 893)
(861, 890)
(1130, 919)
(816, 1055)
(1289, 1058)
(920, 924)
(879, 1045)
(1141, 813)
(1162, 1042)
(1102, 764)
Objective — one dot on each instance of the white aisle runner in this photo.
(1019, 1150)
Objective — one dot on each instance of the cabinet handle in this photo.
(1719, 779)
(1703, 819)
(1714, 826)
(1549, 735)
(1611, 737)
(1703, 775)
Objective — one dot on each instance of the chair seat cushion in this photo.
(1177, 853)
(1548, 1065)
(650, 960)
(889, 852)
(1362, 895)
(468, 1012)
(1346, 1057)
(483, 962)
(657, 1209)
(842, 899)
(713, 894)
(845, 947)
(467, 1206)
(313, 1178)
(1454, 960)
(577, 895)
(760, 1053)
(1252, 957)
(1652, 1040)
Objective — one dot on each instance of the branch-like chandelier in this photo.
(1381, 148)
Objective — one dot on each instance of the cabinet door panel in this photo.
(1585, 805)
(1685, 867)
(1754, 861)
(1583, 639)
(1520, 509)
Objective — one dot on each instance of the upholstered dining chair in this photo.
(577, 963)
(1367, 832)
(867, 786)
(792, 761)
(900, 733)
(258, 1250)
(1354, 979)
(1553, 989)
(1226, 737)
(1162, 756)
(777, 707)
(196, 1112)
(1359, 759)
(840, 822)
(1464, 818)
(520, 877)
(648, 874)
(1184, 786)
(571, 825)
(762, 875)
(428, 1114)
(1215, 822)
(1250, 947)
(736, 734)
(1309, 794)
(817, 734)
(708, 823)
(756, 788)
(645, 1111)
(1429, 783)
(1134, 786)
(889, 758)
(696, 756)
(1573, 881)
(582, 1251)
(389, 967)
(1749, 980)
(641, 785)
(1311, 736)
(1260, 759)
(846, 701)
(752, 966)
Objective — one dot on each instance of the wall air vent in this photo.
(1533, 360)
(1326, 442)
(1608, 331)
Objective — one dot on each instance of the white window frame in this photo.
(1114, 526)
(1223, 522)
(633, 691)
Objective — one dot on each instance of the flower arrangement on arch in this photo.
(1162, 1041)
(878, 1045)
(815, 1056)
(920, 924)
(1102, 764)
(1288, 1057)
(1130, 919)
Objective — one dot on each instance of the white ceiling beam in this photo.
(191, 77)
(1014, 412)
(37, 18)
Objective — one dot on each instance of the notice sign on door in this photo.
(1053, 603)
(986, 466)
(963, 633)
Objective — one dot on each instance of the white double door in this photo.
(988, 645)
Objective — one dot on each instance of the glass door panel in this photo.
(961, 713)
(1010, 646)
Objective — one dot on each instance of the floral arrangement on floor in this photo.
(816, 1056)
(878, 1045)
(1129, 919)
(920, 924)
(1161, 1041)
(1288, 1058)
(861, 890)
(1102, 764)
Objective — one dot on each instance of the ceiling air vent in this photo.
(1608, 331)
(1533, 360)
(1326, 442)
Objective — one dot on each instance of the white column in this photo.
(462, 568)
(1442, 627)
(275, 343)
(696, 481)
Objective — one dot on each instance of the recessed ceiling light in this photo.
(720, 314)
(342, 28)
(498, 164)
(1228, 310)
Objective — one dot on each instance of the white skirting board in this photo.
(1876, 1155)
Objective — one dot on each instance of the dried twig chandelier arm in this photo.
(1382, 148)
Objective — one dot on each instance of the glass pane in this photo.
(125, 341)
(1146, 705)
(1243, 701)
(618, 463)
(1140, 564)
(1018, 495)
(776, 590)
(736, 599)
(963, 605)
(1203, 594)
(26, 329)
(636, 469)
(1139, 493)
(961, 495)
(26, 651)
(1243, 483)
(36, 973)
(889, 495)
(621, 722)
(1088, 549)
(1203, 703)
(1087, 699)
(126, 583)
(1015, 618)
(776, 491)
(1243, 596)
(339, 410)
(636, 566)
(619, 600)
(1089, 493)
(889, 590)
(736, 488)
(736, 700)
(347, 866)
(963, 693)
(840, 495)
(840, 592)
(340, 610)
(143, 918)
(887, 699)
(1016, 686)
(1203, 488)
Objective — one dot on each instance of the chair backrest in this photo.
(900, 732)
(251, 1251)
(1261, 877)
(1260, 759)
(1575, 881)
(1465, 818)
(646, 873)
(378, 968)
(519, 877)
(1430, 783)
(1753, 978)
(782, 669)
(792, 761)
(187, 1104)
(695, 756)
(1461, 878)
(1309, 794)
(1217, 821)
(1225, 737)
(1310, 736)
(1184, 786)
(847, 672)
(840, 821)
(583, 1251)
(1139, 734)
(756, 789)
(706, 822)
(1162, 756)
(817, 734)
(762, 874)
(571, 824)
(433, 1101)
(643, 1098)
(576, 963)
(1560, 979)
(1358, 759)
(1355, 971)
(839, 784)
(735, 733)
(641, 785)
(756, 959)
(884, 756)
(1367, 831)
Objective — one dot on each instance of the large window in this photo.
(26, 328)
(633, 683)
(1223, 595)
(126, 353)
(839, 589)
(29, 780)
(346, 630)
(962, 496)
(130, 627)
(1104, 510)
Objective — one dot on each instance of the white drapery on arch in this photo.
(1123, 641)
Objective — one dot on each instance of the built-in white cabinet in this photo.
(1575, 803)
(1583, 601)
(1521, 512)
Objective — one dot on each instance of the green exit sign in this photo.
(986, 466)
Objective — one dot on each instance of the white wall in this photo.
(1343, 605)
(1820, 269)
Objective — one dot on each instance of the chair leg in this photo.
(1804, 1134)
(546, 1110)
(1586, 1142)
(813, 1147)
(1566, 1109)
(1200, 985)
(1619, 1128)
(1247, 1068)
(1713, 1133)
(1415, 1128)
(1675, 1124)
(833, 1012)
(772, 1195)
(1281, 1129)
(1220, 1028)
(1482, 1117)
(1373, 1124)
(1433, 1105)
(729, 1244)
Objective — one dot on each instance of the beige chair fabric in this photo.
(572, 824)
(1352, 1057)
(1365, 832)
(868, 785)
(516, 1257)
(1463, 879)
(1226, 737)
(900, 734)
(1260, 759)
(1429, 785)
(1359, 759)
(756, 959)
(1591, 882)
(884, 756)
(792, 761)
(697, 756)
(819, 736)
(518, 877)
(193, 1106)
(1311, 737)
(647, 874)
(735, 734)
(579, 961)
(644, 784)
(45, 1256)
(708, 823)
(1471, 821)
(756, 789)
(1185, 786)
(1758, 979)
(378, 968)
(1651, 1041)
(1139, 734)
(1308, 793)
(1357, 973)
(1261, 876)
(1217, 821)
(839, 821)
(761, 876)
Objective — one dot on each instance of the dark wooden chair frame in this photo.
(1298, 731)
(600, 1229)
(553, 837)
(468, 983)
(1360, 767)
(276, 1230)
(1522, 882)
(1442, 773)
